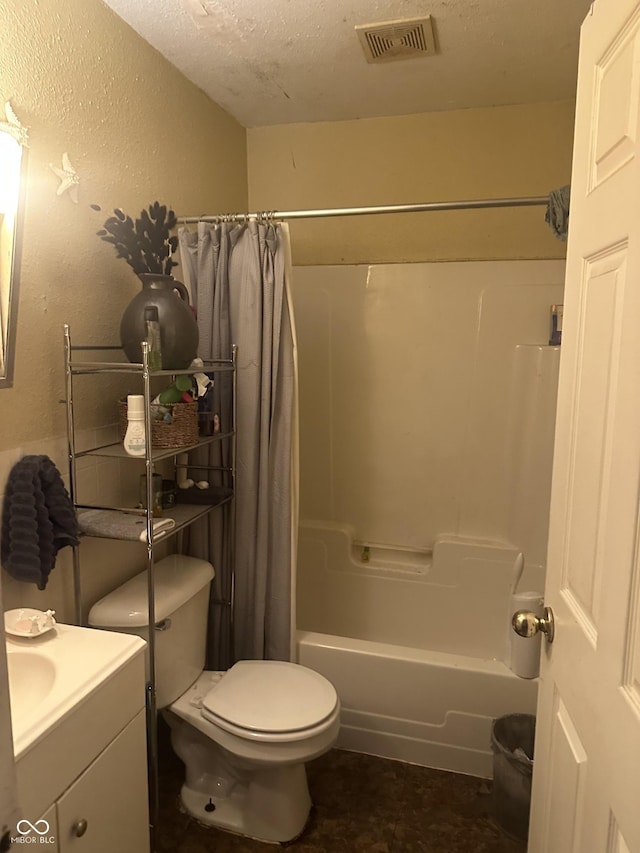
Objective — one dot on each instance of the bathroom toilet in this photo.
(244, 735)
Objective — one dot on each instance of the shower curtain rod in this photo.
(279, 215)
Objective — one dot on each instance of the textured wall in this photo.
(484, 153)
(135, 131)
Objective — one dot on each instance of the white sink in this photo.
(51, 674)
(31, 678)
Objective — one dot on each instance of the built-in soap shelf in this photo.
(390, 558)
(331, 547)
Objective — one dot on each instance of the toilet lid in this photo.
(270, 696)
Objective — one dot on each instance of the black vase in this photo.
(178, 327)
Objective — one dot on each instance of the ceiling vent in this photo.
(402, 39)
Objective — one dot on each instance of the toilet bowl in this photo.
(245, 760)
(244, 735)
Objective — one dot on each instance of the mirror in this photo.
(12, 182)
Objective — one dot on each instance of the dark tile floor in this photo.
(362, 805)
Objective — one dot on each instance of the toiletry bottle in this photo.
(134, 438)
(152, 329)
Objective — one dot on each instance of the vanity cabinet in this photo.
(51, 834)
(81, 751)
(106, 807)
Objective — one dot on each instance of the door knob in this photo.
(527, 624)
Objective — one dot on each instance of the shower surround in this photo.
(427, 407)
(415, 644)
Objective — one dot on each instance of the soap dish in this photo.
(27, 622)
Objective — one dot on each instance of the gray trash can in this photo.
(512, 738)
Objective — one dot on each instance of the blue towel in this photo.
(38, 519)
(557, 214)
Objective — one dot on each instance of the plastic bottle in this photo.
(152, 329)
(134, 438)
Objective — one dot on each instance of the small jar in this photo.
(169, 490)
(156, 493)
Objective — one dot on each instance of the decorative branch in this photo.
(144, 244)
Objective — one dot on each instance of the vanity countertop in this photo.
(52, 674)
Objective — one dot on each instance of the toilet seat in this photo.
(271, 701)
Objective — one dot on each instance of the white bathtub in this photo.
(414, 643)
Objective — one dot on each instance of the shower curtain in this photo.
(239, 276)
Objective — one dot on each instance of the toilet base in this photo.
(273, 806)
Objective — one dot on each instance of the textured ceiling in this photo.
(279, 61)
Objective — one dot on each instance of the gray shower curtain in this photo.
(238, 275)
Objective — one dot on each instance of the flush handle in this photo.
(163, 625)
(527, 624)
(79, 827)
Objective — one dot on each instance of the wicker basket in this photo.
(181, 432)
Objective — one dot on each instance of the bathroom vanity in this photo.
(79, 734)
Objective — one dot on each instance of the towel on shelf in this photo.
(115, 524)
(557, 214)
(38, 519)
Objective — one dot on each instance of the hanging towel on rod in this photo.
(557, 214)
(38, 519)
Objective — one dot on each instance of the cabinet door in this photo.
(51, 834)
(107, 808)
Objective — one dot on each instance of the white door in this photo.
(586, 788)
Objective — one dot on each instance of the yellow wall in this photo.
(484, 153)
(135, 130)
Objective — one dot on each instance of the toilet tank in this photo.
(181, 609)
